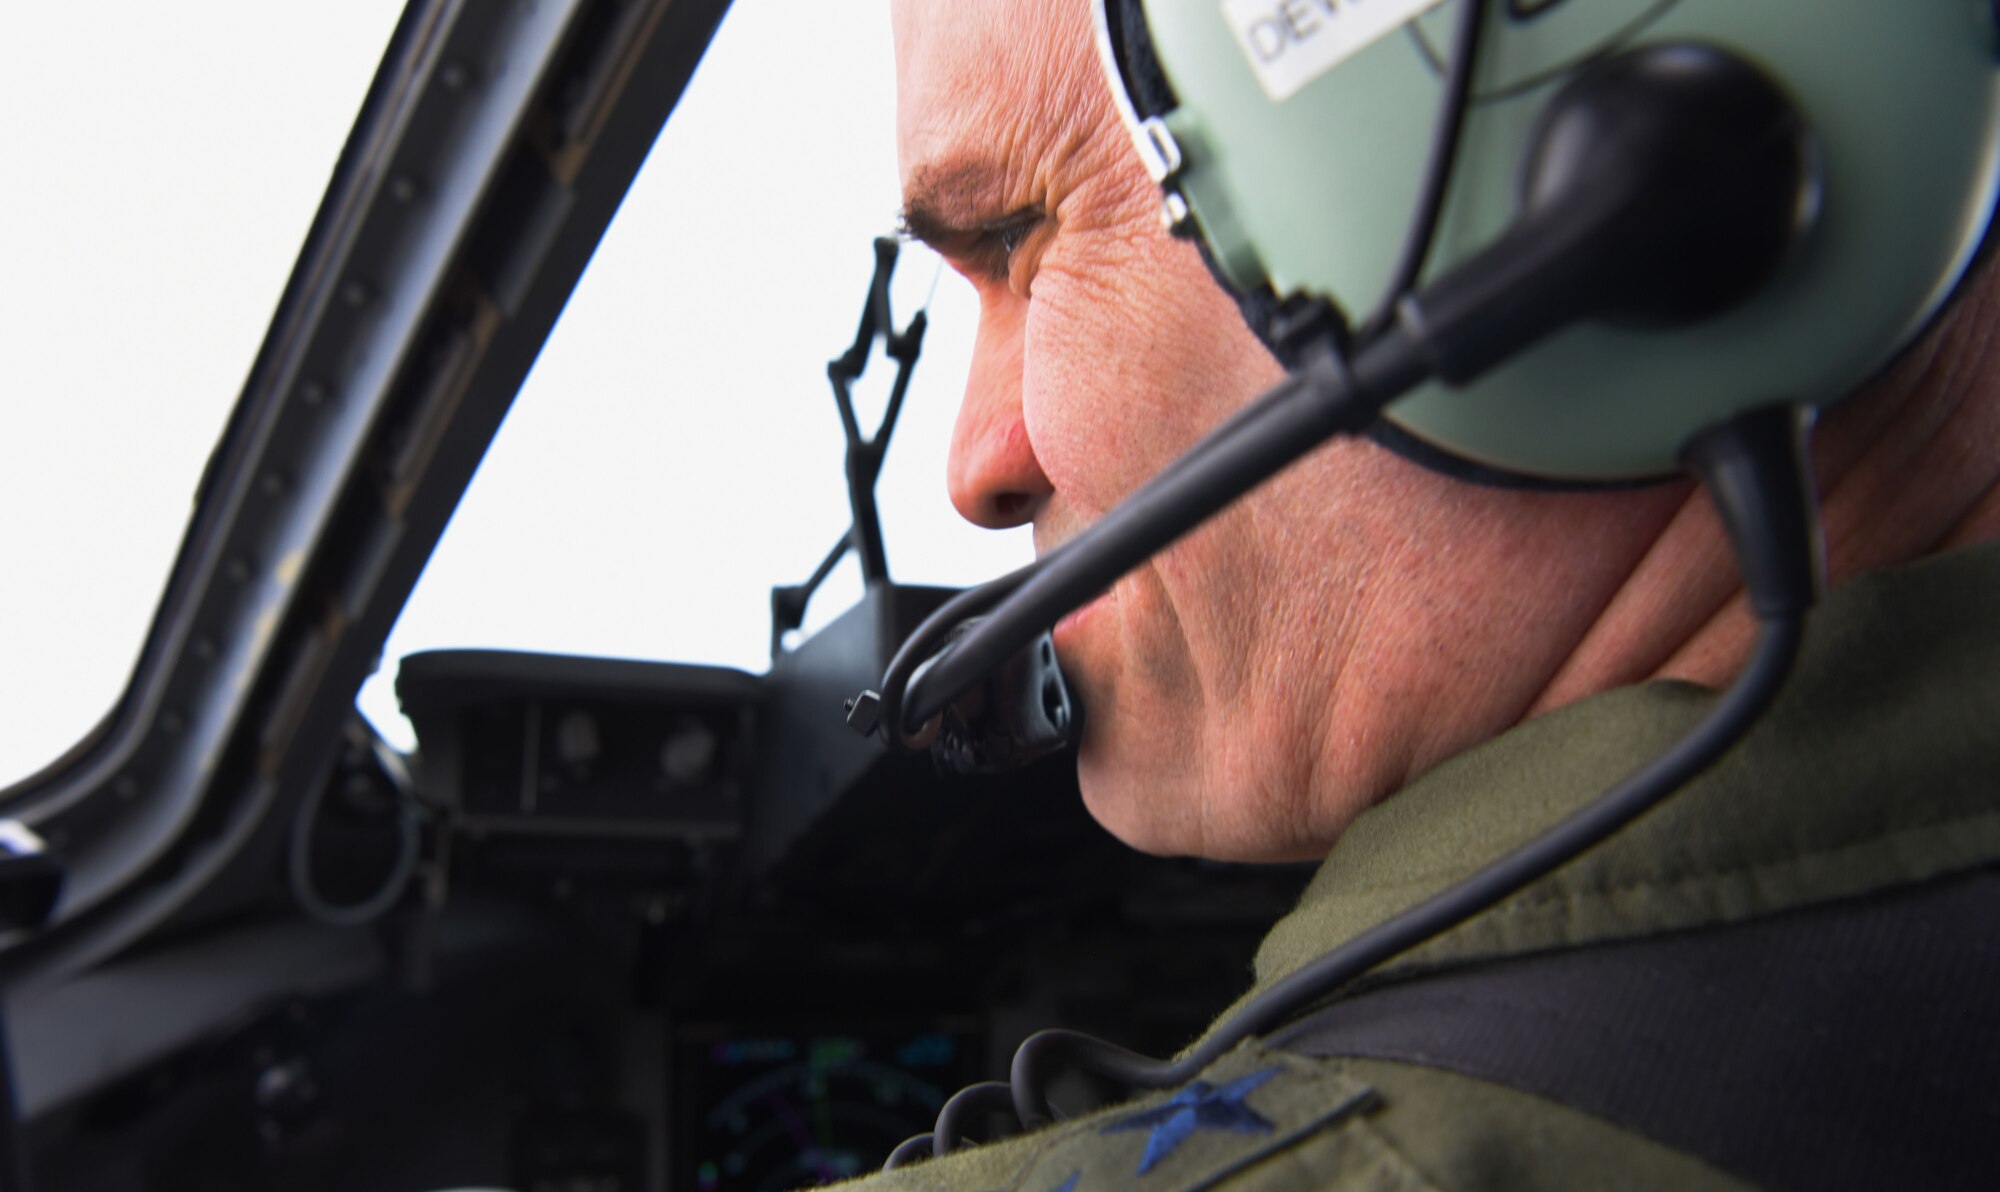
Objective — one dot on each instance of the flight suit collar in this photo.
(1879, 766)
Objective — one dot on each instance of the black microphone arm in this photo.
(1325, 397)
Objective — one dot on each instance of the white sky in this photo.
(674, 453)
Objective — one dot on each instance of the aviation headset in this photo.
(1605, 241)
(1294, 147)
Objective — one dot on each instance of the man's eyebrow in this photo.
(920, 221)
(948, 204)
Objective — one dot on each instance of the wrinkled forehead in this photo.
(976, 76)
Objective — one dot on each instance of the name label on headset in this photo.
(1292, 42)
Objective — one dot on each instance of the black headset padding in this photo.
(1151, 95)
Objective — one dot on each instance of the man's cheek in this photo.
(1074, 399)
(1100, 398)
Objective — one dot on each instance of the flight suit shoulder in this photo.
(1466, 1133)
(1243, 1124)
(1261, 1120)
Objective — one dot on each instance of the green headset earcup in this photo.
(1150, 95)
(1306, 193)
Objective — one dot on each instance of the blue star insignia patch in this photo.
(1199, 1106)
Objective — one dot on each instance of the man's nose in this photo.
(993, 475)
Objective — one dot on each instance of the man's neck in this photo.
(1908, 467)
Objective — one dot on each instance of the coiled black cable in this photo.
(1048, 1051)
(1492, 306)
(1754, 470)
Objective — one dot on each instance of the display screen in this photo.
(761, 1111)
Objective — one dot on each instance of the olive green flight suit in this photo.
(1878, 769)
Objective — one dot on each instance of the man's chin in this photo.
(1114, 800)
(1144, 796)
(1153, 799)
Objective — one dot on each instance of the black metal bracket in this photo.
(864, 453)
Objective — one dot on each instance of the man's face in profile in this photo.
(1250, 689)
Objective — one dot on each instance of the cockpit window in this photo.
(676, 450)
(163, 163)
